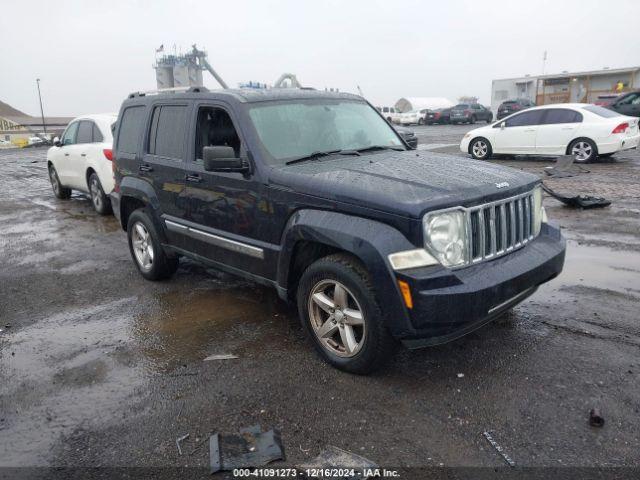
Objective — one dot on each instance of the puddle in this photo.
(181, 327)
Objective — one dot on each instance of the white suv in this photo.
(82, 160)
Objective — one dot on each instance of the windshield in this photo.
(462, 106)
(603, 112)
(291, 130)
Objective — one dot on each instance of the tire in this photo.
(480, 148)
(59, 191)
(358, 348)
(490, 119)
(143, 239)
(99, 199)
(389, 120)
(583, 149)
(420, 121)
(472, 120)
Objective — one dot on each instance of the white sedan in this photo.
(583, 130)
(83, 160)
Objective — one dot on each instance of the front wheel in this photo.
(99, 199)
(59, 191)
(340, 313)
(472, 120)
(583, 150)
(146, 249)
(480, 149)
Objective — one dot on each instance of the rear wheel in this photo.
(420, 121)
(583, 150)
(58, 190)
(146, 248)
(472, 120)
(480, 149)
(99, 199)
(340, 313)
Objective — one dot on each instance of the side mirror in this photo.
(222, 159)
(502, 125)
(56, 142)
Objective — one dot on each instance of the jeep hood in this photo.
(405, 183)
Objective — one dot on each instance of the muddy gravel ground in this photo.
(100, 368)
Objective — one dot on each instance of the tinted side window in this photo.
(130, 129)
(97, 136)
(525, 118)
(562, 115)
(168, 124)
(85, 132)
(69, 137)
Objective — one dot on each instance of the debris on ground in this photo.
(579, 201)
(333, 457)
(499, 449)
(220, 356)
(251, 448)
(564, 168)
(595, 419)
(179, 440)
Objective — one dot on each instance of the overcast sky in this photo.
(90, 55)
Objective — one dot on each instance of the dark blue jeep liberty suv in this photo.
(315, 194)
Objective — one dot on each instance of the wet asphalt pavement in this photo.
(99, 367)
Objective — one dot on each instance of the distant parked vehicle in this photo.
(4, 143)
(606, 99)
(511, 106)
(440, 116)
(409, 136)
(579, 129)
(414, 117)
(627, 104)
(390, 113)
(82, 160)
(35, 141)
(470, 113)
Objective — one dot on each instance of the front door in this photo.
(517, 134)
(629, 105)
(67, 154)
(224, 207)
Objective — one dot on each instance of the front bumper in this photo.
(451, 303)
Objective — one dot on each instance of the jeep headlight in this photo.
(445, 235)
(538, 211)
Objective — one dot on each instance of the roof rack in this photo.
(169, 90)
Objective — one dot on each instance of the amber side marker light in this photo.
(406, 293)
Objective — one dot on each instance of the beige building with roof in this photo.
(17, 127)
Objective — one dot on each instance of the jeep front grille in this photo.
(500, 227)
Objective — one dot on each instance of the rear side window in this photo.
(97, 136)
(531, 117)
(130, 129)
(85, 132)
(603, 112)
(168, 124)
(562, 115)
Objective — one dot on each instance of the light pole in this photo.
(44, 126)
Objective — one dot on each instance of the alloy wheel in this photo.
(142, 246)
(336, 318)
(55, 183)
(480, 149)
(96, 194)
(582, 151)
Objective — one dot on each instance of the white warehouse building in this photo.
(419, 103)
(579, 87)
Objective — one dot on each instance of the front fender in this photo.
(368, 240)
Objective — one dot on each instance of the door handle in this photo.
(530, 130)
(195, 178)
(66, 154)
(568, 128)
(83, 154)
(145, 168)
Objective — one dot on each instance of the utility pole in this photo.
(44, 126)
(544, 61)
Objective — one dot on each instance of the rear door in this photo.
(78, 161)
(558, 127)
(163, 161)
(518, 134)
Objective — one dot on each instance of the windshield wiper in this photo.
(312, 156)
(379, 147)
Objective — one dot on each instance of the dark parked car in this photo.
(409, 136)
(627, 104)
(470, 113)
(439, 115)
(315, 194)
(511, 106)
